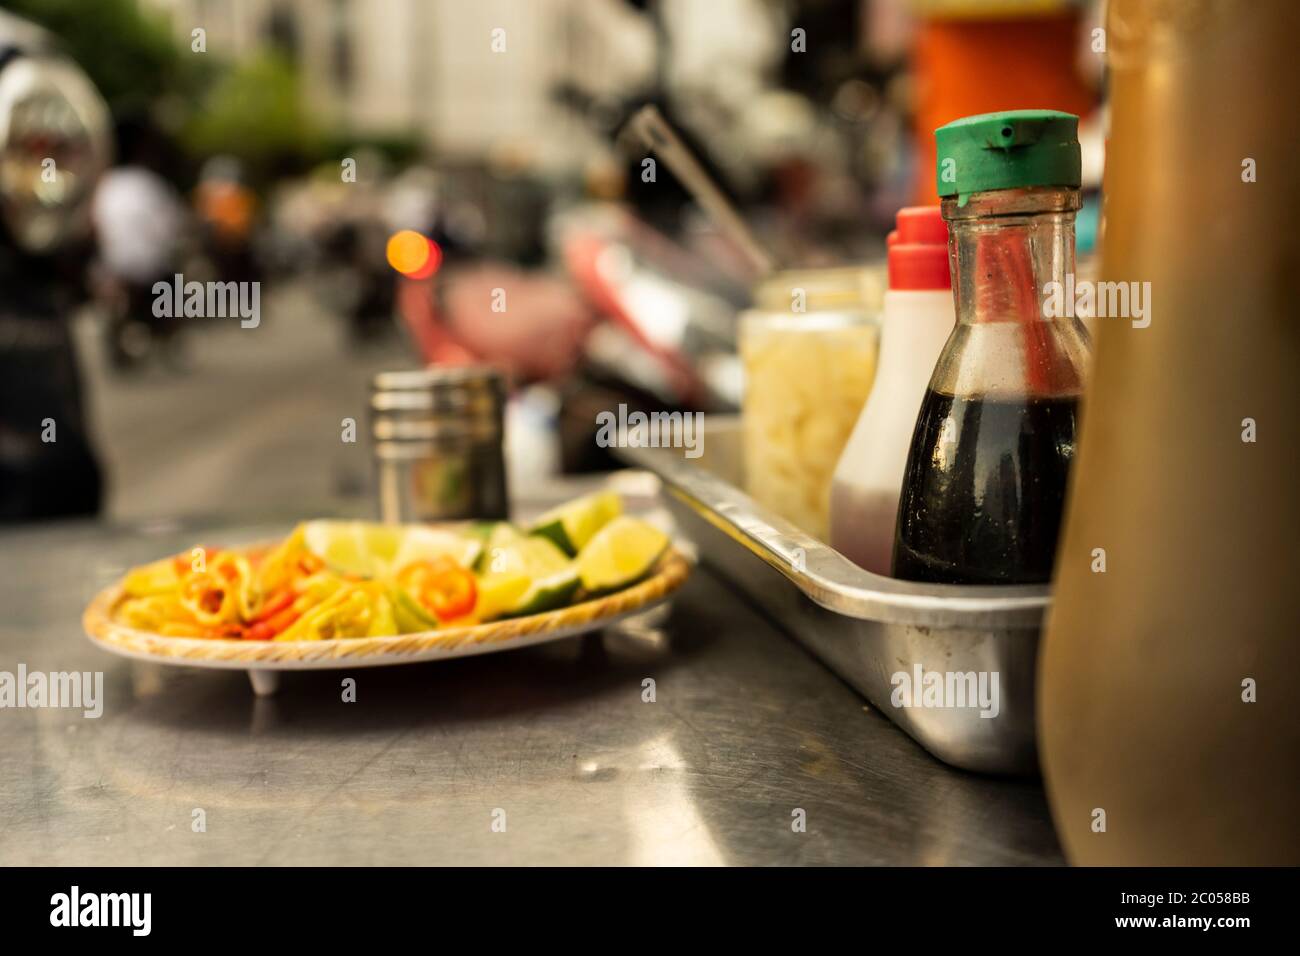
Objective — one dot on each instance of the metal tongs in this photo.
(654, 132)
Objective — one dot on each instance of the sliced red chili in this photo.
(441, 585)
(212, 599)
(226, 630)
(267, 629)
(276, 602)
(450, 593)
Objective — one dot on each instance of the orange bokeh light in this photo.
(431, 262)
(408, 251)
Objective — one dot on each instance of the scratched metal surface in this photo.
(746, 728)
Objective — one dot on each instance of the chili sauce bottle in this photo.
(916, 322)
(984, 486)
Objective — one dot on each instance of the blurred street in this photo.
(253, 425)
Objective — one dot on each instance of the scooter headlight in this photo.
(54, 143)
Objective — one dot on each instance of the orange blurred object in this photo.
(408, 252)
(228, 207)
(965, 67)
(432, 261)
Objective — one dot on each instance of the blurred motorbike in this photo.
(54, 144)
(627, 317)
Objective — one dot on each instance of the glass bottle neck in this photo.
(1006, 248)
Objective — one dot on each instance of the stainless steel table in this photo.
(746, 730)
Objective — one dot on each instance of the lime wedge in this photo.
(550, 578)
(422, 543)
(548, 593)
(482, 530)
(535, 557)
(620, 554)
(371, 549)
(502, 536)
(500, 594)
(379, 542)
(338, 545)
(572, 525)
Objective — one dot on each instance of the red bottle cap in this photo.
(918, 250)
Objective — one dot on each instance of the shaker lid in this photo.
(444, 378)
(441, 391)
(918, 250)
(1007, 150)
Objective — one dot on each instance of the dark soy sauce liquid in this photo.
(982, 498)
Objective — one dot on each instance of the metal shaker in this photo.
(437, 435)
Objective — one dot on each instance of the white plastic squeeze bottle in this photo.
(918, 318)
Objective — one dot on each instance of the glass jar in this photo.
(809, 353)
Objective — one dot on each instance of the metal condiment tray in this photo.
(864, 627)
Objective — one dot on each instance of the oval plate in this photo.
(264, 659)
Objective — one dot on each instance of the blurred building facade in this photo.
(466, 77)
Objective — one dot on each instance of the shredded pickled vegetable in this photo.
(288, 593)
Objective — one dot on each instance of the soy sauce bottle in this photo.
(984, 486)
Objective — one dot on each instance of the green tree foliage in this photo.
(254, 111)
(129, 53)
(252, 108)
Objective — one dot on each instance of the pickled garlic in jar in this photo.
(806, 379)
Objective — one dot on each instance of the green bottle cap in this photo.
(1007, 150)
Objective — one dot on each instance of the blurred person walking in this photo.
(140, 221)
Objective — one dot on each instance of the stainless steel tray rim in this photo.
(827, 577)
